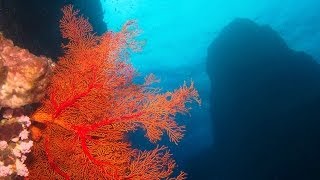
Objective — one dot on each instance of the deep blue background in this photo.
(179, 32)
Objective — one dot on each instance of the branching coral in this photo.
(92, 104)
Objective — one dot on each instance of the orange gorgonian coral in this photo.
(92, 104)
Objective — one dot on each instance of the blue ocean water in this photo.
(179, 32)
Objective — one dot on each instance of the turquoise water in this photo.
(178, 33)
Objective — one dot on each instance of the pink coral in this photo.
(14, 145)
(23, 76)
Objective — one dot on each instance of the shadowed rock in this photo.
(265, 106)
(34, 25)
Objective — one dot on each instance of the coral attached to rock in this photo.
(23, 76)
(14, 144)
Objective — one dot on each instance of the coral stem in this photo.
(110, 121)
(83, 131)
(72, 101)
(53, 165)
(94, 160)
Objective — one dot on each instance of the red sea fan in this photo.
(92, 104)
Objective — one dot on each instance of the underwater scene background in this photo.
(254, 63)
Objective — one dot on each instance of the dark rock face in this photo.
(34, 24)
(265, 107)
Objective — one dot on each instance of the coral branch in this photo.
(83, 131)
(114, 120)
(69, 102)
(53, 165)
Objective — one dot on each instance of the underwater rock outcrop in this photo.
(24, 77)
(265, 106)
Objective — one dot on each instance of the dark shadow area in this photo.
(34, 24)
(265, 107)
